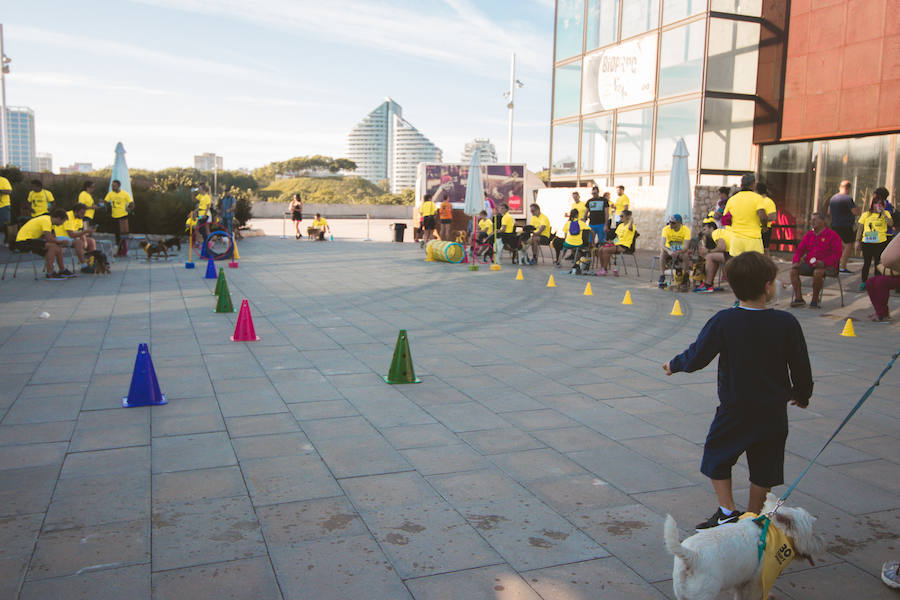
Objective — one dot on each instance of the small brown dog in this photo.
(158, 249)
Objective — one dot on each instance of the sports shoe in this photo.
(705, 289)
(814, 304)
(67, 273)
(719, 518)
(890, 574)
(862, 286)
(846, 270)
(54, 277)
(602, 272)
(798, 302)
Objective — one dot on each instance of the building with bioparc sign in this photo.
(802, 93)
(487, 153)
(20, 148)
(385, 146)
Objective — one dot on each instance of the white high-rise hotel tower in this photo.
(386, 146)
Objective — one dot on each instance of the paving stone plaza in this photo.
(537, 458)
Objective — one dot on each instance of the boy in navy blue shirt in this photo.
(763, 365)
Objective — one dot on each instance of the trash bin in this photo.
(399, 230)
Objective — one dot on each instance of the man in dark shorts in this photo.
(843, 212)
(37, 236)
(429, 222)
(816, 256)
(598, 214)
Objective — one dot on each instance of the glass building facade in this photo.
(631, 77)
(20, 138)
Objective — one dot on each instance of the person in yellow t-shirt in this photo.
(871, 233)
(541, 234)
(768, 207)
(578, 206)
(747, 211)
(427, 209)
(508, 232)
(86, 197)
(202, 204)
(714, 248)
(41, 200)
(622, 202)
(574, 237)
(76, 233)
(676, 245)
(120, 204)
(625, 232)
(316, 230)
(36, 236)
(5, 195)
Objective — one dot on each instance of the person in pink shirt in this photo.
(816, 256)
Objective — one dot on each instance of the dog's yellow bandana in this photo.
(775, 551)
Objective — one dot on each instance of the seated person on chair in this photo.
(316, 230)
(714, 246)
(76, 233)
(485, 236)
(36, 236)
(541, 234)
(676, 239)
(817, 256)
(574, 230)
(508, 232)
(625, 231)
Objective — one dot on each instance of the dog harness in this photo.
(774, 549)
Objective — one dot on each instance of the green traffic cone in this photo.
(401, 366)
(224, 303)
(220, 283)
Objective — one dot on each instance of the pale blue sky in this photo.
(270, 79)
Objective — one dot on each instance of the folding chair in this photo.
(19, 255)
(630, 252)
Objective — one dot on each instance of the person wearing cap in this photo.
(676, 245)
(748, 216)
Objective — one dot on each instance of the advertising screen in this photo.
(502, 183)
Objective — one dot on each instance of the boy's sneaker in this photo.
(54, 277)
(719, 518)
(67, 273)
(890, 574)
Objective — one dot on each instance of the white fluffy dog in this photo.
(726, 557)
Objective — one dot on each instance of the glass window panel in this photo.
(681, 59)
(728, 134)
(565, 149)
(567, 90)
(861, 161)
(596, 145)
(674, 121)
(752, 8)
(789, 172)
(630, 182)
(639, 16)
(633, 137)
(602, 23)
(569, 28)
(674, 10)
(733, 49)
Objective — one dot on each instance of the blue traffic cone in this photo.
(144, 390)
(211, 270)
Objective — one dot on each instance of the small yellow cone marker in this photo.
(627, 299)
(676, 310)
(519, 276)
(587, 289)
(550, 282)
(848, 329)
(495, 267)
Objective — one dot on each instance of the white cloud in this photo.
(65, 80)
(469, 40)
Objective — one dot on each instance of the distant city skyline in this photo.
(256, 86)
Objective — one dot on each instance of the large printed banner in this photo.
(502, 183)
(620, 76)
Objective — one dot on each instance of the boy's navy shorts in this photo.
(765, 455)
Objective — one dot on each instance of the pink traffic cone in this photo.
(243, 329)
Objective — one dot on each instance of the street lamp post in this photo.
(4, 69)
(510, 104)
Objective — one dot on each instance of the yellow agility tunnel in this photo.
(452, 252)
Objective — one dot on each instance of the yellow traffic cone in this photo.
(550, 282)
(676, 310)
(495, 266)
(236, 255)
(587, 289)
(848, 329)
(519, 276)
(627, 299)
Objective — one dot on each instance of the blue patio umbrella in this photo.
(474, 195)
(120, 171)
(680, 201)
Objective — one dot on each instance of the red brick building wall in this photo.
(843, 68)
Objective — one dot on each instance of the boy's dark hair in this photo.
(58, 213)
(626, 213)
(505, 205)
(86, 185)
(748, 273)
(881, 192)
(120, 183)
(427, 197)
(724, 190)
(37, 183)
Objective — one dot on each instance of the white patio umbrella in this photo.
(680, 201)
(474, 196)
(120, 171)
